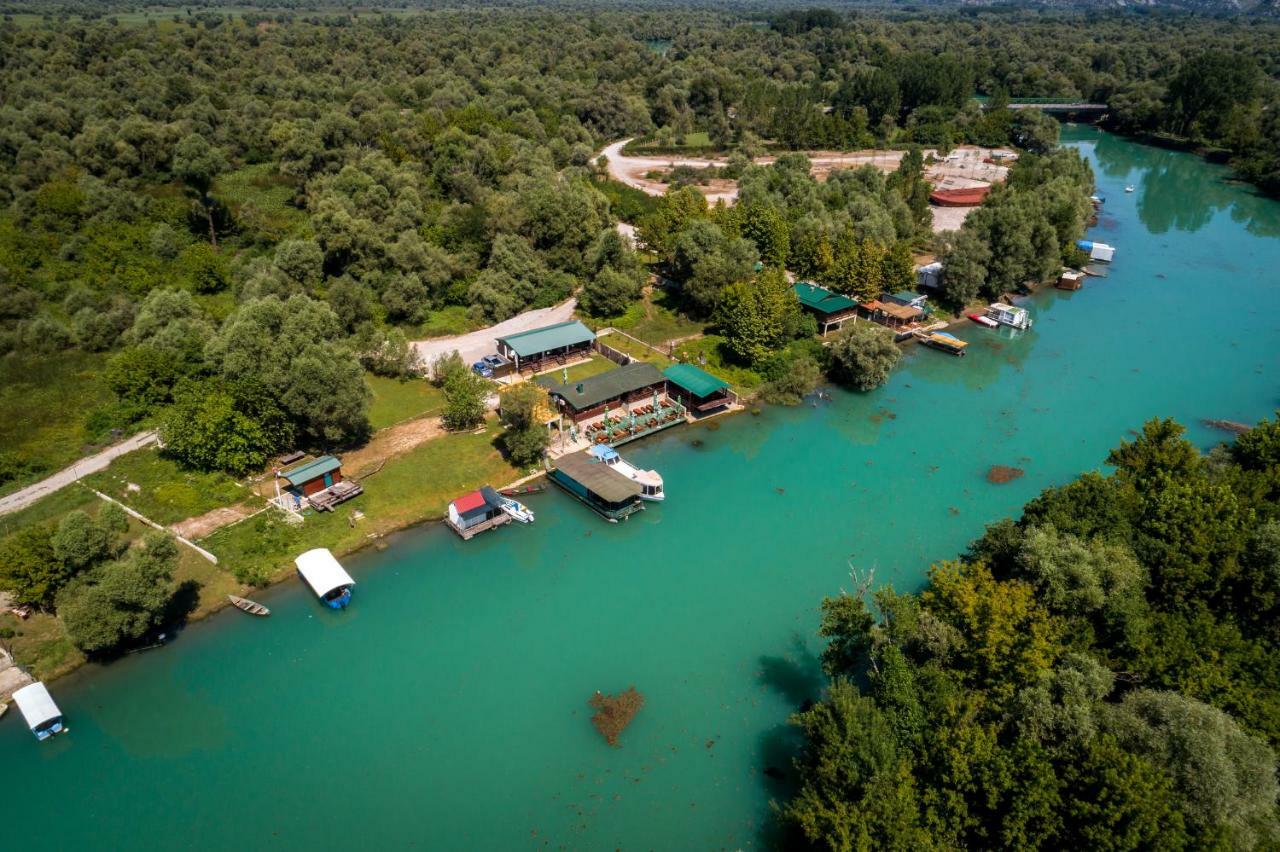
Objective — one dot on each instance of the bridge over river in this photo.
(1060, 105)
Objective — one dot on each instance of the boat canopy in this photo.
(322, 572)
(37, 705)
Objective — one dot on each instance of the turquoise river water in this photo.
(447, 708)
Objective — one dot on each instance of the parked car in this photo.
(486, 365)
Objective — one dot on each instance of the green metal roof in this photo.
(549, 338)
(604, 386)
(821, 299)
(906, 296)
(312, 470)
(695, 380)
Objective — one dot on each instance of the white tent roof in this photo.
(36, 705)
(322, 572)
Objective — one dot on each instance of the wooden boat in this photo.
(251, 607)
(981, 320)
(536, 488)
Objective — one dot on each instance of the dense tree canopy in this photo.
(1074, 682)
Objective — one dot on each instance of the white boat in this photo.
(650, 481)
(1130, 188)
(518, 511)
(1009, 315)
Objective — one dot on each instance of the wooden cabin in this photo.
(697, 389)
(891, 314)
(544, 347)
(604, 490)
(1070, 279)
(589, 397)
(831, 310)
(318, 483)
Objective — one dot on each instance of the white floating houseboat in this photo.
(328, 579)
(1096, 251)
(650, 481)
(38, 708)
(1009, 315)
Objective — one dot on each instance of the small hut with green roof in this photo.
(700, 391)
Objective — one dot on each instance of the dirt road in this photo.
(964, 166)
(92, 464)
(474, 346)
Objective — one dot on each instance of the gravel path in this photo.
(92, 464)
(964, 167)
(474, 346)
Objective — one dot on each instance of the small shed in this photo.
(39, 710)
(313, 476)
(476, 512)
(891, 313)
(1070, 279)
(831, 310)
(326, 577)
(697, 389)
(586, 398)
(531, 349)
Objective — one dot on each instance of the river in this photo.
(447, 709)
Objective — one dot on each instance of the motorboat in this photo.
(983, 320)
(518, 511)
(650, 481)
(1130, 188)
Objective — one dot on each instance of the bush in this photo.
(464, 400)
(863, 356)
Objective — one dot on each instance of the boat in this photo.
(983, 320)
(39, 710)
(518, 511)
(251, 607)
(1009, 315)
(944, 342)
(650, 481)
(535, 488)
(1130, 188)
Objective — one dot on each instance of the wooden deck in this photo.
(471, 532)
(339, 492)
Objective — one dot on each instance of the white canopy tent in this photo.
(322, 572)
(37, 706)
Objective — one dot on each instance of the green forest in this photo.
(1099, 674)
(219, 219)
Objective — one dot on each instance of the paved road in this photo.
(474, 346)
(24, 498)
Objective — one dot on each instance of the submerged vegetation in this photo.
(1099, 674)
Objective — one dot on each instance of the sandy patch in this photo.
(392, 441)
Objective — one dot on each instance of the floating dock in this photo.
(476, 512)
(606, 492)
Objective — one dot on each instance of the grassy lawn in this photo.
(41, 644)
(167, 493)
(637, 351)
(49, 508)
(45, 400)
(262, 197)
(656, 319)
(717, 362)
(447, 322)
(395, 401)
(414, 487)
(594, 367)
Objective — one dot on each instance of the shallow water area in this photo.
(447, 708)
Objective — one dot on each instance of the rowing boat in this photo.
(251, 607)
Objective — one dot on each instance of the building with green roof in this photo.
(697, 389)
(532, 348)
(830, 309)
(588, 397)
